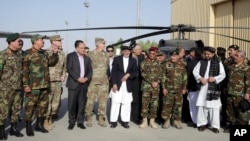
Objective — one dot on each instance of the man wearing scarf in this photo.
(209, 73)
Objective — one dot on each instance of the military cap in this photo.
(244, 105)
(125, 48)
(36, 37)
(55, 38)
(160, 53)
(99, 39)
(192, 49)
(210, 49)
(12, 37)
(235, 47)
(174, 52)
(153, 49)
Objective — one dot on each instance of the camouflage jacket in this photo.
(175, 77)
(10, 70)
(239, 80)
(151, 72)
(36, 68)
(100, 64)
(59, 70)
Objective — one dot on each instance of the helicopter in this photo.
(164, 45)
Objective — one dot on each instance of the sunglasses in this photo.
(110, 51)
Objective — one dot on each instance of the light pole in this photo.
(86, 4)
(66, 23)
(138, 16)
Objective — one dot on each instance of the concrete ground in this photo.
(134, 133)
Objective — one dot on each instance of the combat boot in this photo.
(89, 121)
(51, 123)
(39, 125)
(144, 123)
(2, 133)
(166, 124)
(14, 131)
(177, 124)
(46, 124)
(29, 130)
(152, 123)
(101, 121)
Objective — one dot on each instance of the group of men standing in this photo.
(134, 83)
(217, 86)
(38, 74)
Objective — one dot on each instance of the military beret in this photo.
(210, 49)
(99, 39)
(244, 105)
(36, 37)
(12, 37)
(235, 47)
(153, 49)
(55, 38)
(174, 52)
(125, 48)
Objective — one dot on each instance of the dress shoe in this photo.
(215, 130)
(80, 125)
(125, 125)
(202, 128)
(113, 125)
(71, 126)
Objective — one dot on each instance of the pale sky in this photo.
(33, 15)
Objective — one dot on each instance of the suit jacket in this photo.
(74, 70)
(118, 72)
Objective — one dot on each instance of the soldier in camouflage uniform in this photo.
(10, 85)
(151, 76)
(238, 88)
(36, 64)
(174, 86)
(57, 75)
(98, 87)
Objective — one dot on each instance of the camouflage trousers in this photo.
(10, 104)
(54, 98)
(99, 92)
(150, 100)
(234, 114)
(172, 106)
(36, 101)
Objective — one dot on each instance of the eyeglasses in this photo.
(110, 51)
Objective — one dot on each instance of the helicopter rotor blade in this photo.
(4, 34)
(144, 36)
(101, 28)
(224, 35)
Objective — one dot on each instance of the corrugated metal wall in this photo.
(222, 13)
(194, 12)
(242, 19)
(223, 17)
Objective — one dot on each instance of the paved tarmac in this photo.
(134, 133)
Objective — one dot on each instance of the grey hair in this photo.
(242, 53)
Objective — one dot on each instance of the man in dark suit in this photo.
(124, 70)
(137, 93)
(80, 73)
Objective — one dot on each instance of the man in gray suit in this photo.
(80, 73)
